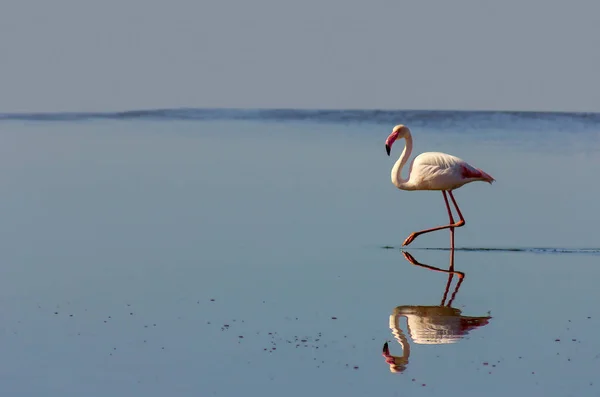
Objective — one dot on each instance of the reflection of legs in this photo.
(451, 272)
(460, 280)
(412, 260)
(451, 226)
(451, 267)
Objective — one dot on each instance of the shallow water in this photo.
(212, 256)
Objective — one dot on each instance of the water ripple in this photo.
(441, 118)
(535, 250)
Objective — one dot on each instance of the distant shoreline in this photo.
(315, 115)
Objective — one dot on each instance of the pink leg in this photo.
(460, 223)
(451, 222)
(457, 209)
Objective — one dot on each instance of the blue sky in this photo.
(75, 55)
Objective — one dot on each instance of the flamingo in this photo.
(432, 171)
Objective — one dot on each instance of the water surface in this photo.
(217, 252)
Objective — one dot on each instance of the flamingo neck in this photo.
(397, 179)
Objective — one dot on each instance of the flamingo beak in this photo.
(387, 149)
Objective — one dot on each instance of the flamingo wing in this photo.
(441, 171)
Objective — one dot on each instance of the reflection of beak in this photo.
(474, 322)
(387, 149)
(386, 349)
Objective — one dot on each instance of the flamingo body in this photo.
(441, 171)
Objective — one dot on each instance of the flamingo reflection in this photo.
(441, 324)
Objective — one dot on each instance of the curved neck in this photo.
(397, 168)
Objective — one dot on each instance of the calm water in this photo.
(217, 252)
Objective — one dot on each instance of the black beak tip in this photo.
(387, 149)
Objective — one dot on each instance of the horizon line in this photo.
(188, 108)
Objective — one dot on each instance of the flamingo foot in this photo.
(410, 239)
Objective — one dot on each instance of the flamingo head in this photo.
(399, 131)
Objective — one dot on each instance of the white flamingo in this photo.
(432, 171)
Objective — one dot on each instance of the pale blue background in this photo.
(128, 54)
